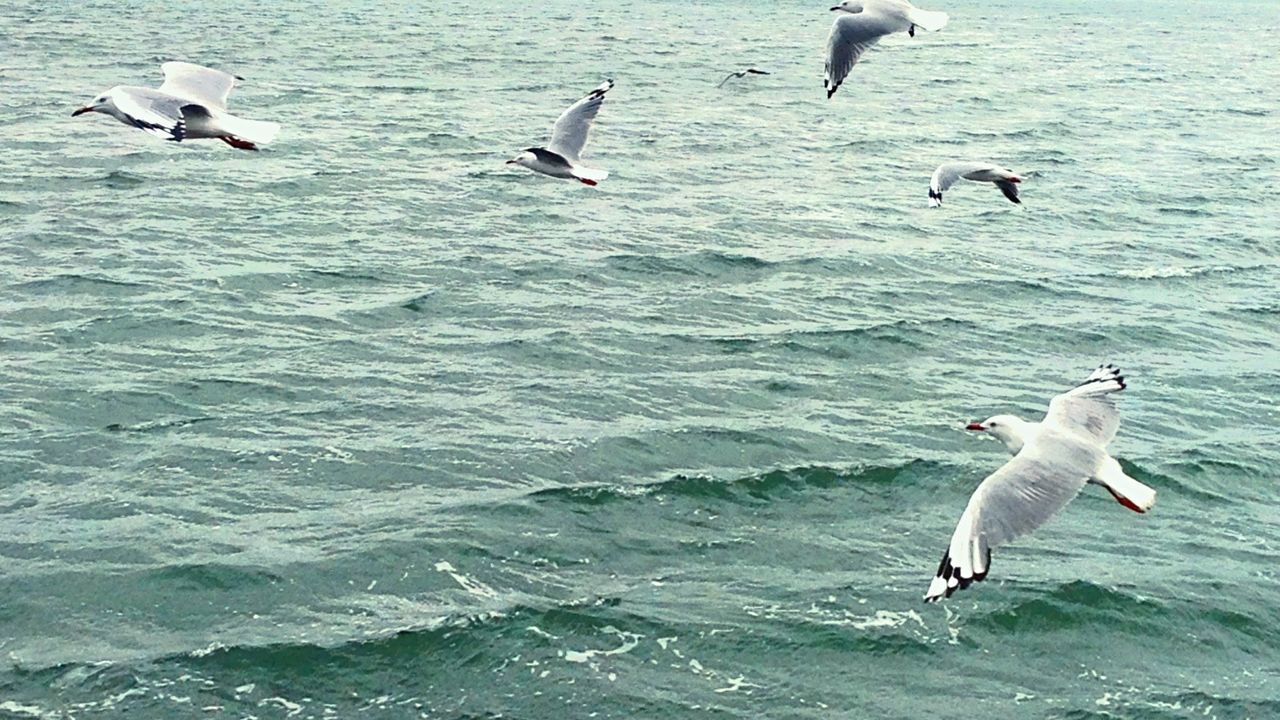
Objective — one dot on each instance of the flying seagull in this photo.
(560, 157)
(191, 104)
(741, 73)
(948, 173)
(1052, 461)
(862, 23)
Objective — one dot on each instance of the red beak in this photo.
(974, 426)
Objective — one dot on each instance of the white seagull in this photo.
(948, 173)
(189, 105)
(741, 73)
(862, 23)
(560, 157)
(1052, 461)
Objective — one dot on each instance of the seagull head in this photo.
(525, 158)
(1011, 430)
(103, 103)
(849, 6)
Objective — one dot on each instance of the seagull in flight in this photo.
(741, 73)
(559, 158)
(191, 104)
(948, 173)
(861, 24)
(1052, 461)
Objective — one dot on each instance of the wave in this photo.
(120, 180)
(837, 342)
(214, 576)
(749, 488)
(156, 425)
(1074, 605)
(72, 282)
(1160, 272)
(707, 263)
(1162, 481)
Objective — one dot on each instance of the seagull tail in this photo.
(1127, 491)
(256, 132)
(928, 19)
(590, 176)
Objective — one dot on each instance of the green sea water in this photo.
(369, 424)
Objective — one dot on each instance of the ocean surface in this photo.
(369, 424)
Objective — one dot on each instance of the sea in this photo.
(370, 424)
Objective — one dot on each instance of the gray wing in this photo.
(570, 132)
(158, 113)
(851, 36)
(1009, 189)
(1014, 500)
(1087, 409)
(194, 82)
(729, 77)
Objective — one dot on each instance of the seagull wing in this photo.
(851, 36)
(570, 132)
(948, 173)
(1087, 409)
(194, 82)
(1014, 500)
(1010, 190)
(157, 113)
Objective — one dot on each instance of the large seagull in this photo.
(559, 158)
(861, 24)
(191, 104)
(948, 174)
(1052, 461)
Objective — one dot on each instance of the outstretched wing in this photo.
(1087, 409)
(201, 84)
(570, 132)
(1014, 500)
(947, 174)
(157, 113)
(851, 36)
(1009, 189)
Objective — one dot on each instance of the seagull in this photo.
(948, 173)
(560, 157)
(1052, 461)
(189, 105)
(741, 73)
(862, 24)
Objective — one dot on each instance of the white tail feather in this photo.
(257, 132)
(1125, 488)
(928, 19)
(587, 173)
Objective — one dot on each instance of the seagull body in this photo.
(191, 104)
(559, 158)
(741, 73)
(862, 23)
(948, 174)
(1052, 461)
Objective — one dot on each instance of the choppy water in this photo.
(371, 425)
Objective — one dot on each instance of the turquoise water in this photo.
(371, 425)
